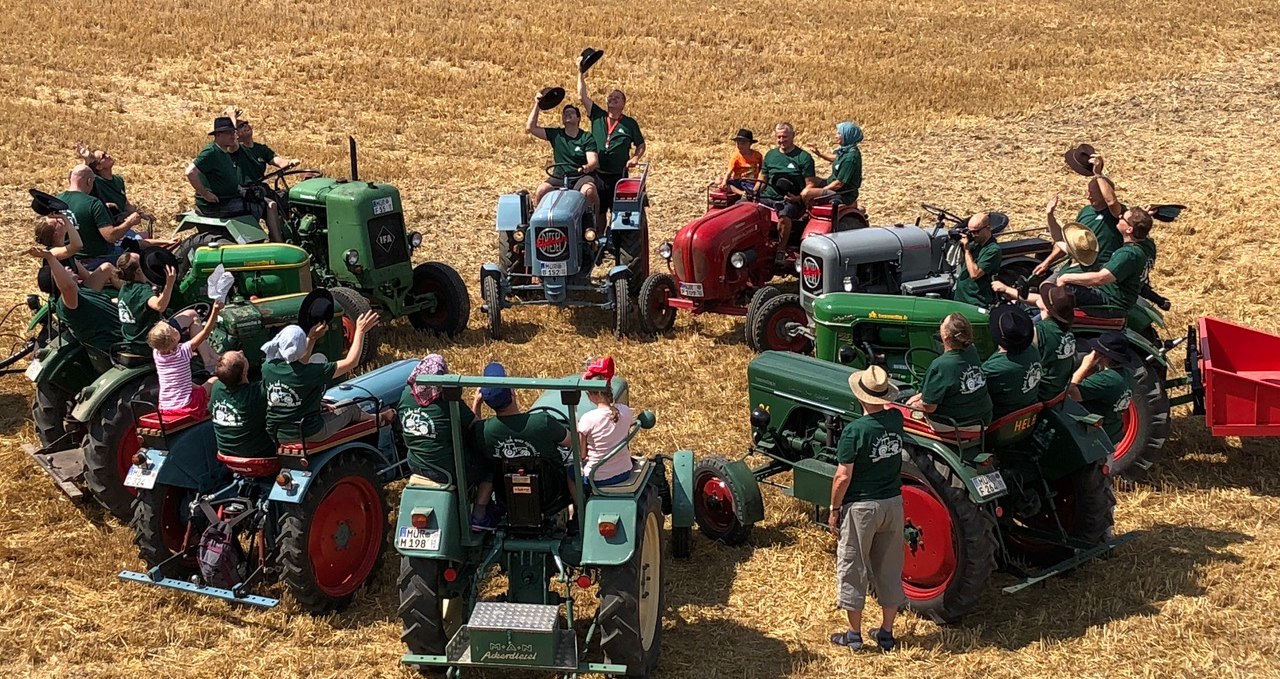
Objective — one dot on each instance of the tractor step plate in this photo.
(65, 467)
(215, 592)
(514, 635)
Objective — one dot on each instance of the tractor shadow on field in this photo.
(685, 645)
(706, 579)
(1164, 562)
(1194, 460)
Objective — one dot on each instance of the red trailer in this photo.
(1235, 379)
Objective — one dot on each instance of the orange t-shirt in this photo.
(741, 167)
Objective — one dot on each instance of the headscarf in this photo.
(431, 364)
(289, 344)
(850, 136)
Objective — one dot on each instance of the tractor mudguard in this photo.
(1144, 315)
(965, 472)
(64, 363)
(625, 220)
(191, 461)
(243, 229)
(40, 316)
(295, 491)
(1070, 439)
(1145, 348)
(93, 397)
(682, 489)
(490, 271)
(510, 212)
(619, 271)
(742, 481)
(598, 550)
(442, 539)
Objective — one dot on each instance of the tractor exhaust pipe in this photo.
(351, 152)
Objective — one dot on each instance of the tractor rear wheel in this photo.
(453, 304)
(160, 519)
(493, 306)
(776, 323)
(1084, 503)
(187, 247)
(112, 443)
(421, 606)
(633, 635)
(655, 313)
(49, 411)
(951, 542)
(759, 297)
(621, 307)
(717, 503)
(1146, 424)
(353, 306)
(329, 545)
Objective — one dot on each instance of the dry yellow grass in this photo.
(966, 104)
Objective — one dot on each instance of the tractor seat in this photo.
(1015, 426)
(638, 467)
(251, 467)
(1107, 317)
(358, 430)
(914, 422)
(150, 424)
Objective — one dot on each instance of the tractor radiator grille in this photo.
(387, 241)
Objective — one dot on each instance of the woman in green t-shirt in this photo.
(846, 167)
(954, 391)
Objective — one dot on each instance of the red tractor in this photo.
(723, 261)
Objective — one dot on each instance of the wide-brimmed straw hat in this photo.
(872, 386)
(1082, 244)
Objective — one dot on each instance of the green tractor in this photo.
(85, 400)
(355, 232)
(1027, 496)
(614, 540)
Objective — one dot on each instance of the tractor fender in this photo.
(440, 504)
(619, 271)
(964, 472)
(746, 490)
(93, 397)
(597, 550)
(1143, 315)
(682, 489)
(242, 230)
(490, 271)
(1145, 348)
(295, 491)
(510, 212)
(58, 359)
(1069, 438)
(39, 318)
(244, 233)
(626, 220)
(191, 461)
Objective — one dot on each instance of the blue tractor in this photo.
(550, 255)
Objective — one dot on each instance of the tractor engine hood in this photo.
(247, 327)
(561, 209)
(260, 269)
(701, 250)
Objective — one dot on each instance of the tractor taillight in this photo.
(999, 511)
(139, 459)
(584, 581)
(283, 479)
(608, 529)
(1106, 470)
(419, 520)
(450, 574)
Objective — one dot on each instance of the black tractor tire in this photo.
(160, 518)
(851, 221)
(1010, 273)
(633, 252)
(768, 326)
(932, 486)
(633, 635)
(493, 305)
(421, 608)
(1143, 447)
(1084, 502)
(187, 247)
(353, 305)
(111, 444)
(656, 314)
(758, 298)
(621, 307)
(345, 501)
(717, 502)
(49, 411)
(508, 261)
(453, 304)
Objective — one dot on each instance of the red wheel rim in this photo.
(348, 330)
(713, 503)
(345, 536)
(930, 558)
(775, 329)
(660, 310)
(423, 285)
(1129, 436)
(125, 450)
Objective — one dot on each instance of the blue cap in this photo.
(496, 397)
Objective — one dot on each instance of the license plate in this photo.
(419, 538)
(989, 484)
(139, 477)
(555, 269)
(33, 370)
(690, 289)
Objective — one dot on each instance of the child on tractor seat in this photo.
(744, 165)
(172, 356)
(602, 429)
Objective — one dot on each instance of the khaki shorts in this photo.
(870, 551)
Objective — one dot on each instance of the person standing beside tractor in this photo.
(846, 167)
(239, 409)
(1119, 282)
(795, 168)
(866, 509)
(1103, 383)
(954, 393)
(1014, 371)
(980, 265)
(615, 134)
(743, 177)
(215, 176)
(573, 152)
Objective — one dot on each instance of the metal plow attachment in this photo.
(191, 588)
(64, 467)
(1081, 557)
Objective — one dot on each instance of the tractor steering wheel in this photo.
(943, 215)
(278, 177)
(570, 170)
(550, 411)
(917, 374)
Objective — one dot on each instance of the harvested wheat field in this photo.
(966, 104)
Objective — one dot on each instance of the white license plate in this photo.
(990, 484)
(139, 477)
(555, 269)
(690, 289)
(33, 370)
(419, 538)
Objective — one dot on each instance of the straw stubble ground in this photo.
(966, 104)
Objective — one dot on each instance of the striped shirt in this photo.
(174, 371)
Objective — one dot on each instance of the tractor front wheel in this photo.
(49, 412)
(421, 606)
(717, 502)
(632, 635)
(777, 324)
(160, 519)
(655, 313)
(493, 306)
(353, 306)
(453, 304)
(111, 445)
(1146, 424)
(329, 545)
(950, 542)
(621, 307)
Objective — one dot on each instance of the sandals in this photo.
(848, 639)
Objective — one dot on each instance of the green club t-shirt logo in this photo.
(886, 447)
(418, 423)
(226, 415)
(280, 395)
(514, 447)
(1122, 403)
(972, 380)
(126, 316)
(1067, 347)
(1035, 373)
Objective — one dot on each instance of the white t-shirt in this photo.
(602, 436)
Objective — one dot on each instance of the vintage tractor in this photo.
(614, 540)
(85, 400)
(314, 516)
(355, 233)
(900, 259)
(549, 255)
(1027, 495)
(718, 262)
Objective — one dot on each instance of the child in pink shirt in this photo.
(602, 429)
(178, 397)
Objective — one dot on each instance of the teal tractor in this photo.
(313, 517)
(614, 541)
(1027, 495)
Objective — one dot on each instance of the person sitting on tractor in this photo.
(56, 234)
(238, 407)
(252, 159)
(108, 186)
(141, 306)
(1101, 216)
(511, 433)
(743, 177)
(846, 167)
(954, 390)
(1014, 371)
(1119, 282)
(1080, 244)
(602, 429)
(428, 435)
(216, 177)
(615, 135)
(172, 357)
(573, 152)
(296, 383)
(866, 509)
(1103, 383)
(1056, 343)
(89, 314)
(795, 166)
(99, 233)
(980, 265)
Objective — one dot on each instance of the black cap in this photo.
(550, 97)
(1011, 327)
(222, 124)
(45, 204)
(1165, 212)
(590, 56)
(154, 261)
(744, 135)
(317, 307)
(1113, 345)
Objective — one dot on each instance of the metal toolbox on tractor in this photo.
(501, 633)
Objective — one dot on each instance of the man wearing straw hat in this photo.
(1078, 242)
(866, 509)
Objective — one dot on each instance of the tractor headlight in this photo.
(415, 240)
(848, 284)
(518, 235)
(351, 257)
(798, 265)
(664, 250)
(741, 259)
(589, 235)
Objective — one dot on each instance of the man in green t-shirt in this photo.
(1014, 371)
(866, 508)
(789, 165)
(514, 434)
(109, 187)
(239, 410)
(573, 153)
(980, 265)
(1120, 280)
(954, 390)
(215, 176)
(1103, 383)
(89, 314)
(1101, 216)
(252, 160)
(1056, 343)
(98, 232)
(616, 135)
